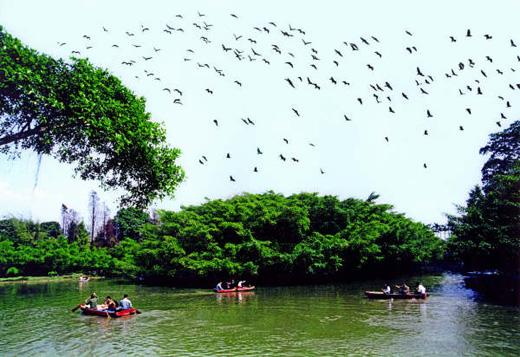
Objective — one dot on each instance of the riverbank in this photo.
(45, 279)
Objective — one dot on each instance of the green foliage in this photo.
(257, 235)
(12, 271)
(85, 116)
(130, 223)
(486, 233)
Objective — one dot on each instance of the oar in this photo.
(77, 307)
(138, 311)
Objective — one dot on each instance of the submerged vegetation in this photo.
(268, 237)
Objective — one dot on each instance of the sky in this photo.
(354, 155)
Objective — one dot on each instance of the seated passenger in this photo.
(403, 289)
(219, 286)
(387, 290)
(241, 284)
(421, 289)
(92, 301)
(110, 304)
(125, 303)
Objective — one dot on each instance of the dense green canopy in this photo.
(268, 236)
(85, 116)
(486, 234)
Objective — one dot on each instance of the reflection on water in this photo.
(35, 319)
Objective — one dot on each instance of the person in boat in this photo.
(83, 278)
(125, 303)
(241, 283)
(387, 289)
(421, 289)
(219, 286)
(92, 301)
(403, 289)
(110, 304)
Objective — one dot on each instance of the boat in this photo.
(235, 290)
(106, 313)
(382, 295)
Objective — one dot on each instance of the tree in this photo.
(486, 233)
(83, 115)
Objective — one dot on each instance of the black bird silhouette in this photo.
(360, 100)
(177, 90)
(295, 112)
(425, 166)
(147, 58)
(513, 44)
(201, 162)
(468, 110)
(419, 73)
(370, 67)
(379, 54)
(105, 29)
(429, 114)
(200, 15)
(387, 85)
(250, 121)
(374, 38)
(232, 179)
(404, 95)
(129, 33)
(228, 156)
(137, 46)
(338, 52)
(87, 37)
(235, 16)
(311, 144)
(453, 39)
(387, 140)
(290, 64)
(205, 158)
(479, 91)
(306, 42)
(426, 132)
(336, 63)
(502, 116)
(282, 157)
(364, 41)
(290, 82)
(461, 127)
(333, 80)
(423, 91)
(391, 110)
(488, 36)
(354, 47)
(215, 121)
(258, 151)
(346, 117)
(468, 33)
(295, 159)
(237, 37)
(245, 121)
(239, 83)
(286, 141)
(177, 101)
(266, 61)
(167, 90)
(255, 169)
(209, 91)
(322, 172)
(408, 33)
(499, 125)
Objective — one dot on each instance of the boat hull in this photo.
(105, 313)
(382, 295)
(235, 290)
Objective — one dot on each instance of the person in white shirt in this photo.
(125, 303)
(387, 290)
(421, 289)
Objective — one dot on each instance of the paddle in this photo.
(138, 311)
(77, 307)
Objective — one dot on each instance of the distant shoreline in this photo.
(44, 279)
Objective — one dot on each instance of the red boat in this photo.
(235, 290)
(105, 313)
(382, 295)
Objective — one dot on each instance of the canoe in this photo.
(382, 295)
(105, 313)
(235, 290)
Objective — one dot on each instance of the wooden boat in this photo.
(235, 290)
(382, 295)
(106, 313)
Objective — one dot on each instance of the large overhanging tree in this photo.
(83, 115)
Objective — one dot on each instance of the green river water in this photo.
(326, 320)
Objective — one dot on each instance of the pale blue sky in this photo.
(355, 155)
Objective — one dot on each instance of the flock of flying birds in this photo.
(247, 48)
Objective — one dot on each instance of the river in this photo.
(35, 319)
